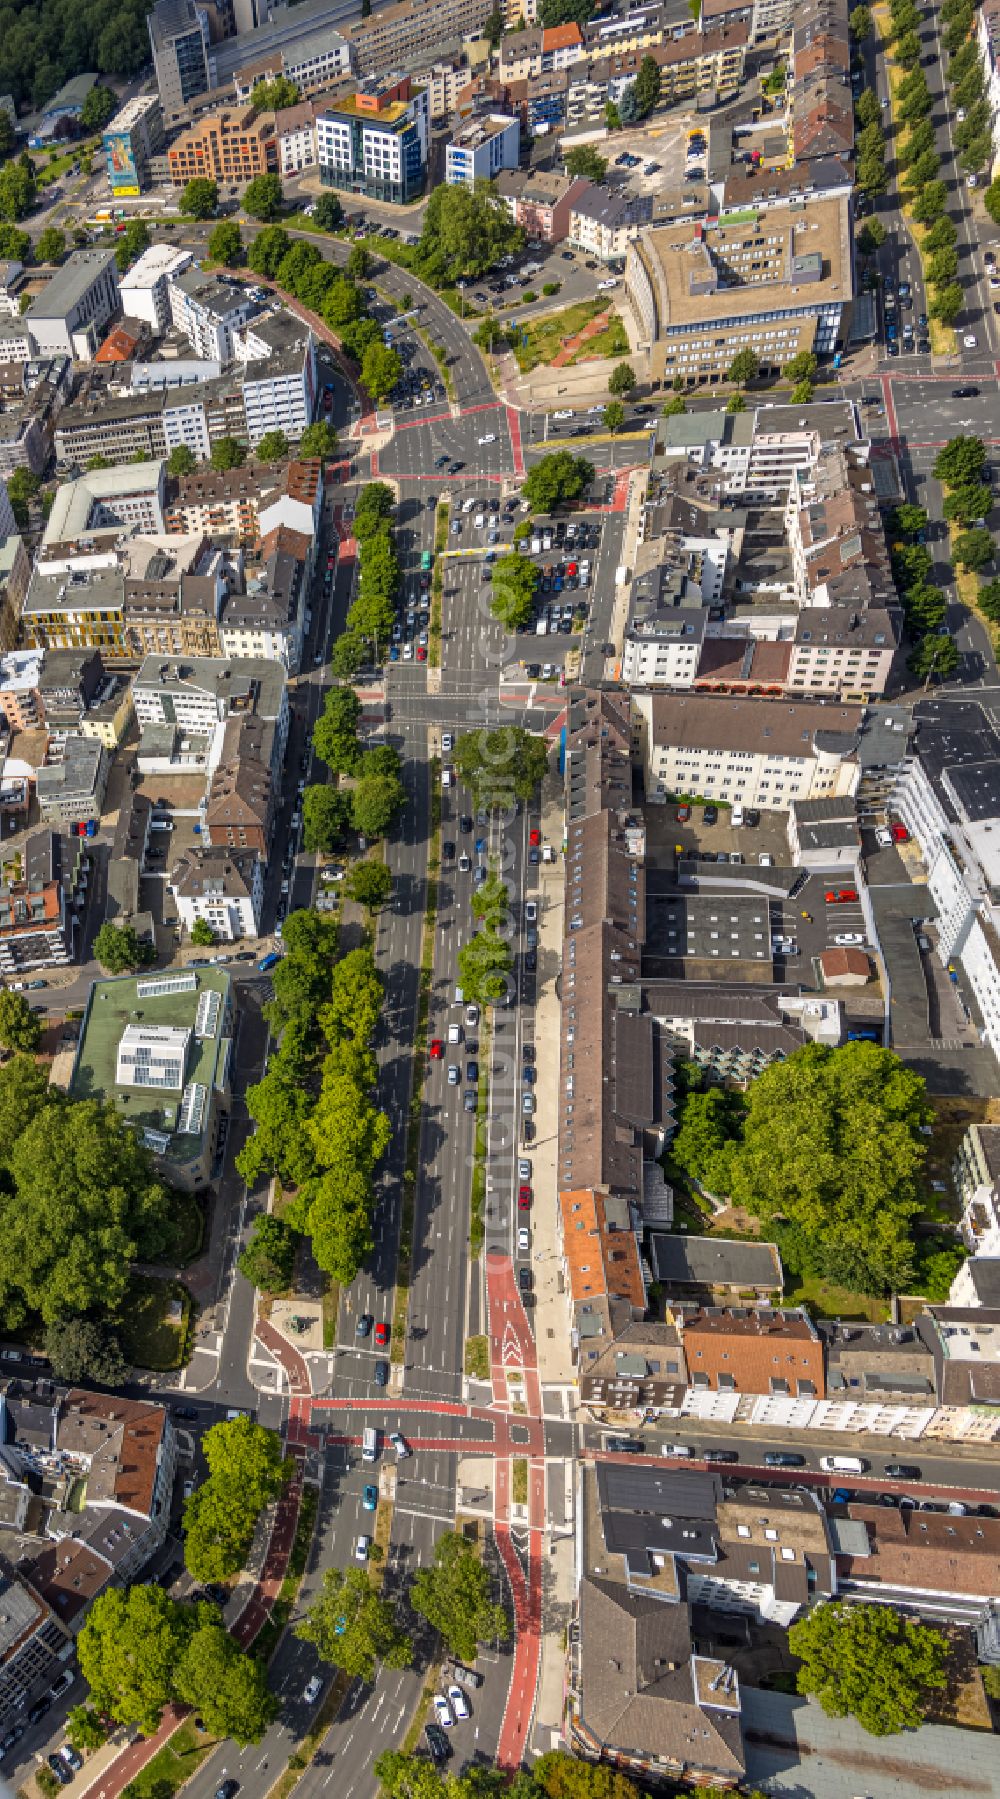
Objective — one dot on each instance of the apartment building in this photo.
(190, 59)
(740, 1350)
(280, 378)
(775, 286)
(377, 142)
(523, 54)
(757, 752)
(231, 146)
(209, 311)
(541, 202)
(203, 692)
(988, 35)
(239, 807)
(295, 130)
(69, 316)
(480, 148)
(976, 1175)
(604, 224)
(398, 36)
(144, 287)
(134, 136)
(753, 455)
(39, 909)
(224, 887)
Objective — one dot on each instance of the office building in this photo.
(775, 286)
(377, 142)
(159, 1048)
(134, 136)
(400, 36)
(280, 381)
(232, 146)
(756, 752)
(72, 789)
(190, 59)
(480, 148)
(144, 288)
(69, 316)
(210, 311)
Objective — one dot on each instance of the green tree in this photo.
(621, 380)
(561, 1776)
(919, 139)
(263, 197)
(584, 160)
(465, 232)
(502, 765)
(930, 203)
(491, 903)
(869, 1663)
(227, 453)
(744, 368)
(85, 1728)
(100, 105)
(554, 478)
(832, 1143)
(246, 1472)
(940, 235)
(352, 1627)
(973, 549)
(279, 1108)
(268, 250)
(375, 802)
(924, 169)
(22, 486)
(359, 262)
(225, 244)
(674, 406)
(988, 600)
(67, 1245)
(20, 1027)
(15, 245)
(934, 657)
(907, 50)
(329, 213)
(268, 1258)
(614, 416)
(513, 598)
(380, 370)
(946, 302)
(135, 239)
(925, 609)
(84, 1349)
(860, 22)
(319, 439)
(977, 153)
(326, 819)
(17, 190)
(612, 116)
(647, 86)
(867, 110)
(991, 200)
(962, 460)
(224, 1684)
(369, 884)
(484, 963)
(51, 245)
(492, 335)
(454, 1596)
(199, 198)
(709, 1122)
(272, 447)
(736, 403)
(274, 95)
(801, 393)
(202, 933)
(128, 1652)
(972, 500)
(335, 733)
(801, 367)
(181, 461)
(375, 509)
(118, 949)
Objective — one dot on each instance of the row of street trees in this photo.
(317, 1125)
(301, 270)
(500, 768)
(370, 619)
(245, 1473)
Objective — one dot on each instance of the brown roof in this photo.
(836, 963)
(602, 1258)
(132, 1430)
(560, 37)
(69, 1575)
(932, 1551)
(784, 728)
(744, 659)
(294, 543)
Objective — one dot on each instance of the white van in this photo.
(454, 1033)
(736, 817)
(369, 1444)
(447, 777)
(541, 628)
(536, 546)
(470, 504)
(843, 1464)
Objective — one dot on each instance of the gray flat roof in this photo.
(710, 1261)
(77, 274)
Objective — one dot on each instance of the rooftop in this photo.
(714, 1261)
(708, 272)
(70, 283)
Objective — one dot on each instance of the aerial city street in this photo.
(499, 921)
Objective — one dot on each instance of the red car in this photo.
(524, 1198)
(534, 837)
(381, 1335)
(831, 899)
(331, 561)
(437, 1049)
(421, 652)
(571, 568)
(847, 893)
(683, 814)
(900, 834)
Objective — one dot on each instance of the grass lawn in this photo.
(519, 1483)
(149, 1337)
(477, 1358)
(188, 1222)
(174, 1764)
(826, 1300)
(546, 336)
(612, 341)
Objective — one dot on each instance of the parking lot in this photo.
(658, 157)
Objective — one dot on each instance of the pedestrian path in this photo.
(571, 345)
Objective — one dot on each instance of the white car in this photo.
(313, 1690)
(459, 1703)
(361, 1548)
(490, 438)
(447, 740)
(443, 1711)
(848, 939)
(883, 837)
(530, 911)
(524, 1169)
(970, 340)
(960, 115)
(400, 1445)
(565, 412)
(523, 1240)
(612, 281)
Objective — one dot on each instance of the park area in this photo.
(578, 333)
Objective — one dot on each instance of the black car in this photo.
(531, 960)
(751, 817)
(456, 468)
(185, 1411)
(59, 1768)
(472, 1071)
(469, 1100)
(39, 1709)
(965, 393)
(437, 1743)
(777, 1458)
(797, 885)
(901, 1471)
(720, 1455)
(381, 1374)
(524, 1279)
(448, 850)
(465, 824)
(625, 1446)
(227, 1790)
(364, 1324)
(528, 1052)
(710, 815)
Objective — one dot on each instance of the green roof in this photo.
(116, 1003)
